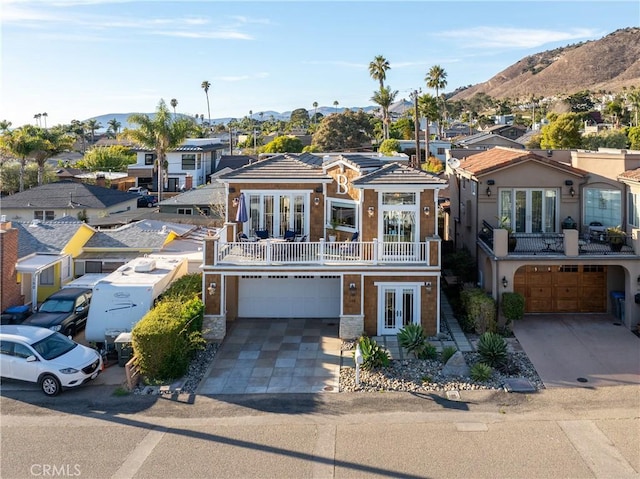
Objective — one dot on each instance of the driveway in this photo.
(276, 356)
(565, 347)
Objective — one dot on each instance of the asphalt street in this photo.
(573, 433)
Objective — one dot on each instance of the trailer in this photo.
(88, 281)
(123, 297)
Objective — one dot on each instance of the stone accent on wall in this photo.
(214, 328)
(351, 326)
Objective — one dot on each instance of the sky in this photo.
(76, 59)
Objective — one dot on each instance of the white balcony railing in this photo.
(322, 252)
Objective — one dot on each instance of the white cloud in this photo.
(239, 78)
(483, 37)
(338, 63)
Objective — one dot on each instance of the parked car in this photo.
(147, 201)
(42, 356)
(64, 311)
(140, 190)
(15, 314)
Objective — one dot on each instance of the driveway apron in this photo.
(276, 356)
(567, 349)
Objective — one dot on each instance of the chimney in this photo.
(100, 180)
(188, 182)
(9, 286)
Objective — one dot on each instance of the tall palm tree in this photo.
(37, 117)
(634, 99)
(20, 143)
(315, 112)
(45, 115)
(160, 134)
(437, 78)
(385, 97)
(5, 125)
(93, 125)
(428, 107)
(114, 126)
(51, 142)
(335, 104)
(205, 86)
(78, 128)
(174, 104)
(378, 69)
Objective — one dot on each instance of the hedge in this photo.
(479, 311)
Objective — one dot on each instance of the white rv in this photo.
(122, 298)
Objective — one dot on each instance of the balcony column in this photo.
(500, 242)
(571, 246)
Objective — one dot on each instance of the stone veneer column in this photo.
(351, 326)
(214, 328)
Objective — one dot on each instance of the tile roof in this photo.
(397, 174)
(303, 167)
(49, 237)
(361, 161)
(633, 175)
(234, 161)
(60, 193)
(501, 157)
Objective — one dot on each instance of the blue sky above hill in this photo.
(76, 59)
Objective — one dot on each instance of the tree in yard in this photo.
(113, 127)
(51, 142)
(562, 133)
(335, 104)
(437, 78)
(347, 131)
(389, 147)
(37, 117)
(606, 139)
(93, 125)
(10, 176)
(20, 144)
(634, 137)
(633, 97)
(174, 104)
(5, 125)
(160, 134)
(299, 118)
(45, 115)
(385, 97)
(378, 69)
(428, 107)
(402, 129)
(107, 158)
(205, 86)
(580, 101)
(283, 144)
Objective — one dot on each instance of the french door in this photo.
(398, 306)
(532, 210)
(399, 228)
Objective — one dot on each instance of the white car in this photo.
(39, 355)
(140, 190)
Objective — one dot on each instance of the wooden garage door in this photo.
(563, 289)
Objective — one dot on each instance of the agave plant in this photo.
(492, 349)
(373, 355)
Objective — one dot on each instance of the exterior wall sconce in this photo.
(572, 192)
(235, 201)
(316, 200)
(212, 288)
(352, 289)
(370, 211)
(427, 285)
(505, 282)
(488, 191)
(426, 210)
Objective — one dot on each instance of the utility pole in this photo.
(416, 122)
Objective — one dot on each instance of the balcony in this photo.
(323, 253)
(567, 243)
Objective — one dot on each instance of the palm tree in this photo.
(37, 117)
(315, 112)
(378, 69)
(114, 126)
(160, 134)
(51, 142)
(174, 104)
(335, 104)
(78, 128)
(437, 78)
(20, 143)
(634, 99)
(45, 115)
(205, 86)
(385, 97)
(93, 125)
(5, 125)
(428, 106)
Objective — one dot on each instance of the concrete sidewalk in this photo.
(565, 347)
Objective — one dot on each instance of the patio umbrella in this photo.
(241, 212)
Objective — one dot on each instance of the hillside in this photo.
(607, 64)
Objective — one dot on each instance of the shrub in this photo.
(492, 349)
(447, 352)
(479, 311)
(426, 351)
(372, 354)
(481, 372)
(165, 339)
(512, 306)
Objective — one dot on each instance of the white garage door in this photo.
(289, 297)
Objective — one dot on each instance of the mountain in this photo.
(607, 64)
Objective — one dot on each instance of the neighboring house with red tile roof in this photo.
(381, 272)
(558, 254)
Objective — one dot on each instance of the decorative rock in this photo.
(456, 366)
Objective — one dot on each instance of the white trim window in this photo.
(47, 276)
(188, 161)
(185, 211)
(602, 205)
(277, 212)
(344, 212)
(633, 208)
(44, 215)
(530, 210)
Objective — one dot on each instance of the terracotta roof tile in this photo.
(633, 175)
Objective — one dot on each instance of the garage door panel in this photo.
(289, 297)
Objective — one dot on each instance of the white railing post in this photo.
(375, 251)
(322, 258)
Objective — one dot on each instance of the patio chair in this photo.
(289, 235)
(350, 248)
(302, 239)
(262, 234)
(242, 237)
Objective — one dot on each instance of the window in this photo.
(44, 215)
(633, 207)
(440, 151)
(93, 266)
(278, 212)
(149, 158)
(344, 213)
(21, 351)
(398, 198)
(189, 161)
(185, 211)
(603, 206)
(533, 210)
(46, 276)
